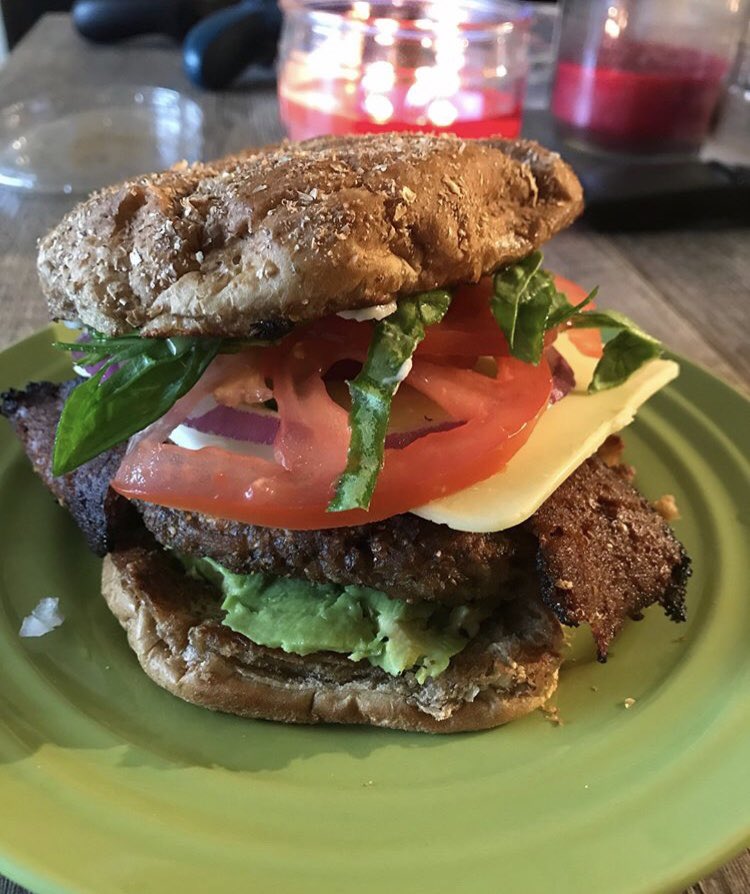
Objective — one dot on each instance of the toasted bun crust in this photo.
(300, 231)
(173, 625)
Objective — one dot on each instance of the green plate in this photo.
(109, 784)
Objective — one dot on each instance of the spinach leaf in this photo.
(526, 304)
(393, 343)
(147, 376)
(630, 348)
(562, 310)
(520, 304)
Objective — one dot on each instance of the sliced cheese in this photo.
(566, 435)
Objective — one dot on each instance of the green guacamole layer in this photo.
(302, 617)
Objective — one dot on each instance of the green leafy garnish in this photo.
(139, 380)
(623, 354)
(393, 343)
(527, 304)
(150, 374)
(520, 304)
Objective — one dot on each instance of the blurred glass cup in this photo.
(730, 142)
(636, 76)
(348, 66)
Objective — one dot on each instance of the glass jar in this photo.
(348, 66)
(637, 76)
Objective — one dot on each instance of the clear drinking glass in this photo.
(348, 66)
(640, 76)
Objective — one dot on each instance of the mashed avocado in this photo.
(302, 617)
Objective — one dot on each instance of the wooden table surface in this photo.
(691, 288)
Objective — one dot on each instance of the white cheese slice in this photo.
(566, 435)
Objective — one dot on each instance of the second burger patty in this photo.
(599, 550)
(404, 556)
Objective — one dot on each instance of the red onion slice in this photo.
(232, 428)
(239, 425)
(563, 377)
(397, 440)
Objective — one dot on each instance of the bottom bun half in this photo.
(173, 624)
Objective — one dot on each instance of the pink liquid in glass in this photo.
(640, 96)
(335, 107)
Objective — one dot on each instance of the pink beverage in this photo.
(470, 113)
(640, 97)
(636, 76)
(349, 66)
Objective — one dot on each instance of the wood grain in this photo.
(690, 288)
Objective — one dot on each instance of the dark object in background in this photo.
(109, 21)
(623, 194)
(220, 47)
(663, 195)
(221, 38)
(20, 15)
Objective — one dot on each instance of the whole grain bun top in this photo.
(299, 231)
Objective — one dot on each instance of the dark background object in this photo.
(222, 45)
(222, 38)
(20, 15)
(662, 195)
(107, 21)
(626, 194)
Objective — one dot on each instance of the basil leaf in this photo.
(526, 304)
(100, 347)
(622, 356)
(562, 310)
(520, 304)
(606, 319)
(630, 348)
(393, 343)
(101, 413)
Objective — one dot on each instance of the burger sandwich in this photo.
(348, 449)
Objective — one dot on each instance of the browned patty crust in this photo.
(99, 512)
(596, 513)
(605, 553)
(174, 626)
(298, 231)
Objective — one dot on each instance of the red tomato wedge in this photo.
(588, 341)
(497, 416)
(468, 329)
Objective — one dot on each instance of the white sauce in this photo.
(192, 439)
(379, 312)
(402, 372)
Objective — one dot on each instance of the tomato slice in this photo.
(588, 341)
(497, 416)
(468, 330)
